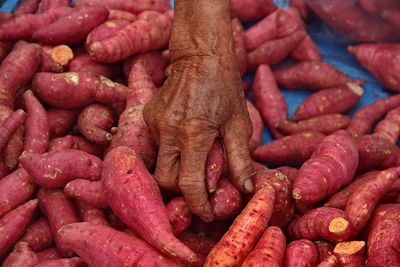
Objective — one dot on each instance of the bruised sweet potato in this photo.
(178, 214)
(22, 256)
(90, 192)
(250, 10)
(38, 235)
(226, 201)
(136, 6)
(55, 59)
(301, 253)
(214, 166)
(61, 121)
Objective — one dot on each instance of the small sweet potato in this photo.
(117, 14)
(48, 254)
(55, 169)
(77, 89)
(321, 223)
(26, 7)
(250, 10)
(56, 59)
(10, 125)
(64, 262)
(214, 166)
(331, 261)
(59, 211)
(178, 214)
(240, 45)
(61, 121)
(14, 224)
(22, 256)
(289, 150)
(136, 6)
(268, 99)
(325, 124)
(50, 4)
(389, 127)
(301, 253)
(95, 122)
(226, 201)
(306, 50)
(261, 32)
(90, 192)
(38, 235)
(335, 159)
(270, 249)
(329, 101)
(350, 253)
(325, 249)
(105, 30)
(91, 214)
(245, 231)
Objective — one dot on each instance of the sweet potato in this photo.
(17, 69)
(117, 14)
(77, 89)
(261, 32)
(226, 201)
(389, 127)
(270, 249)
(65, 262)
(14, 223)
(73, 27)
(340, 198)
(100, 245)
(91, 214)
(364, 119)
(363, 200)
(55, 169)
(198, 243)
(5, 48)
(136, 6)
(36, 126)
(350, 253)
(86, 191)
(55, 59)
(274, 51)
(10, 125)
(3, 170)
(325, 124)
(289, 150)
(38, 235)
(352, 21)
(375, 7)
(22, 256)
(243, 234)
(214, 166)
(322, 223)
(335, 159)
(306, 50)
(374, 56)
(61, 121)
(50, 4)
(61, 143)
(130, 40)
(301, 253)
(59, 211)
(383, 239)
(257, 124)
(329, 101)
(268, 99)
(331, 261)
(178, 214)
(95, 122)
(325, 249)
(290, 173)
(27, 7)
(313, 75)
(301, 7)
(250, 10)
(23, 26)
(105, 30)
(47, 254)
(392, 16)
(146, 216)
(240, 45)
(81, 143)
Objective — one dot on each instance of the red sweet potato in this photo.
(270, 249)
(268, 99)
(375, 7)
(59, 211)
(178, 214)
(86, 191)
(243, 234)
(365, 118)
(226, 201)
(117, 14)
(329, 101)
(61, 121)
(301, 253)
(350, 253)
(301, 7)
(64, 262)
(392, 16)
(91, 214)
(14, 223)
(130, 40)
(313, 75)
(352, 21)
(306, 50)
(321, 223)
(325, 124)
(331, 261)
(135, 6)
(374, 56)
(252, 10)
(274, 51)
(26, 7)
(23, 26)
(258, 126)
(10, 125)
(15, 189)
(61, 143)
(4, 16)
(289, 150)
(198, 243)
(325, 249)
(214, 166)
(77, 89)
(146, 216)
(389, 127)
(38, 235)
(81, 143)
(55, 59)
(73, 27)
(5, 48)
(50, 4)
(48, 254)
(95, 122)
(288, 21)
(36, 126)
(261, 32)
(340, 198)
(240, 45)
(22, 256)
(335, 159)
(290, 173)
(363, 200)
(105, 30)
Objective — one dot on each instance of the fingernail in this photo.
(248, 185)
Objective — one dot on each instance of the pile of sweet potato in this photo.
(76, 184)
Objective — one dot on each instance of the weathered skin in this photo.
(178, 215)
(202, 99)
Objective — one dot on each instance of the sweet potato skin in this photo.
(91, 214)
(301, 253)
(258, 126)
(105, 30)
(198, 243)
(350, 253)
(47, 254)
(178, 215)
(136, 7)
(261, 32)
(306, 50)
(10, 125)
(226, 201)
(50, 4)
(90, 192)
(117, 14)
(26, 7)
(38, 235)
(63, 262)
(248, 11)
(214, 166)
(331, 261)
(22, 256)
(389, 127)
(301, 7)
(325, 249)
(61, 121)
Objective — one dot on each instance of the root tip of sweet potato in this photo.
(349, 248)
(296, 194)
(338, 224)
(62, 54)
(355, 88)
(109, 136)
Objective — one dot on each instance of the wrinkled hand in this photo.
(201, 100)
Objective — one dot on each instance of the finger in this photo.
(192, 177)
(238, 156)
